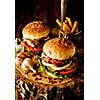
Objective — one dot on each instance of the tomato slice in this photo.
(69, 71)
(59, 62)
(32, 48)
(26, 45)
(35, 49)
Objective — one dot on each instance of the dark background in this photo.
(46, 10)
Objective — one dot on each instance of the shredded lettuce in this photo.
(42, 67)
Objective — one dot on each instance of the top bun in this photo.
(58, 48)
(35, 30)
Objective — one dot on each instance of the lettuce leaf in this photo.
(42, 67)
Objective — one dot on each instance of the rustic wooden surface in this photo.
(75, 86)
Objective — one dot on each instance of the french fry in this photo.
(69, 21)
(59, 33)
(75, 25)
(66, 28)
(66, 21)
(58, 22)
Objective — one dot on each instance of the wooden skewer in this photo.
(63, 10)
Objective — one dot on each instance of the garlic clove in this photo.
(27, 65)
(24, 66)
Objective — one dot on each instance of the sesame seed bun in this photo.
(58, 48)
(35, 30)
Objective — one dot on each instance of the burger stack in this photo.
(34, 35)
(57, 57)
(46, 64)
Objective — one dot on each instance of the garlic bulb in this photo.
(27, 65)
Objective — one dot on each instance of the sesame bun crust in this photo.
(59, 49)
(35, 30)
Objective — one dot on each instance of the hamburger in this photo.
(34, 35)
(57, 58)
